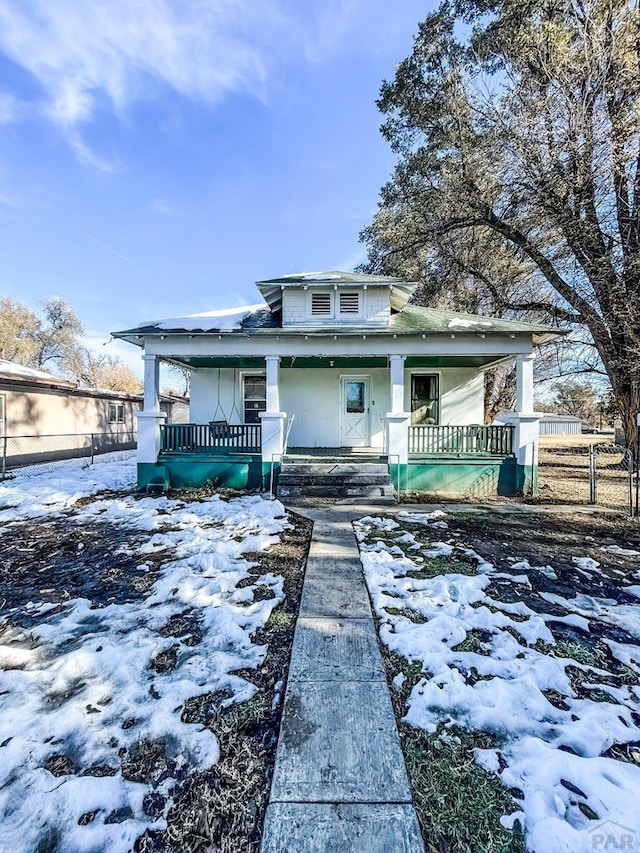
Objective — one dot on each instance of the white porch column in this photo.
(527, 424)
(273, 378)
(273, 419)
(524, 383)
(150, 418)
(151, 383)
(397, 420)
(396, 376)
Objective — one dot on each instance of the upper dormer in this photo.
(317, 299)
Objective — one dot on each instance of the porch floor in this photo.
(353, 454)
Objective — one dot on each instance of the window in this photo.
(354, 397)
(425, 398)
(116, 413)
(321, 304)
(255, 398)
(349, 303)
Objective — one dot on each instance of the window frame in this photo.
(437, 399)
(119, 414)
(251, 374)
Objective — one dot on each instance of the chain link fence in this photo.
(587, 473)
(40, 453)
(564, 473)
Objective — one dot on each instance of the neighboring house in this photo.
(550, 423)
(35, 404)
(335, 361)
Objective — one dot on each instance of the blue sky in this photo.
(159, 156)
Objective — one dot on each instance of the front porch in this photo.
(347, 412)
(473, 460)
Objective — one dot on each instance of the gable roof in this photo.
(271, 288)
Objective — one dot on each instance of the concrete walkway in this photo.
(340, 783)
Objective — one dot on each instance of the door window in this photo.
(354, 397)
(425, 398)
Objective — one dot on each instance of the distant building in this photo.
(37, 404)
(550, 423)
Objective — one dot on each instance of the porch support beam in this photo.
(273, 420)
(150, 418)
(524, 383)
(527, 424)
(397, 420)
(272, 363)
(396, 375)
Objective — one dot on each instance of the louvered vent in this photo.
(321, 304)
(349, 303)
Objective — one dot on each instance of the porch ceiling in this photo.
(480, 362)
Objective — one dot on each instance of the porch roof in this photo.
(410, 320)
(432, 362)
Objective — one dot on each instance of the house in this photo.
(42, 416)
(338, 364)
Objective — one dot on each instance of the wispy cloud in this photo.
(108, 248)
(92, 55)
(11, 109)
(159, 205)
(88, 55)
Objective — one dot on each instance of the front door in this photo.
(354, 411)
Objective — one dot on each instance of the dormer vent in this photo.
(321, 304)
(350, 303)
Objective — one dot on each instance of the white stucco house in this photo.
(338, 363)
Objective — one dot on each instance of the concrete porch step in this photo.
(335, 491)
(334, 469)
(293, 478)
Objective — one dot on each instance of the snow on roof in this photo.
(19, 371)
(465, 323)
(221, 320)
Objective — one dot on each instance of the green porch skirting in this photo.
(231, 471)
(468, 477)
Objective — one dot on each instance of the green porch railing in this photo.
(213, 438)
(471, 440)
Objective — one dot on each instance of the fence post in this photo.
(4, 456)
(593, 495)
(637, 464)
(92, 434)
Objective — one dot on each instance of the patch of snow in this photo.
(221, 320)
(464, 323)
(587, 564)
(505, 691)
(69, 683)
(622, 552)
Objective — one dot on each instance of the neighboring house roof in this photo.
(410, 320)
(11, 371)
(27, 377)
(271, 288)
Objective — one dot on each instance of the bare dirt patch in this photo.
(55, 560)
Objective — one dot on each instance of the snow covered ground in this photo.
(82, 691)
(560, 703)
